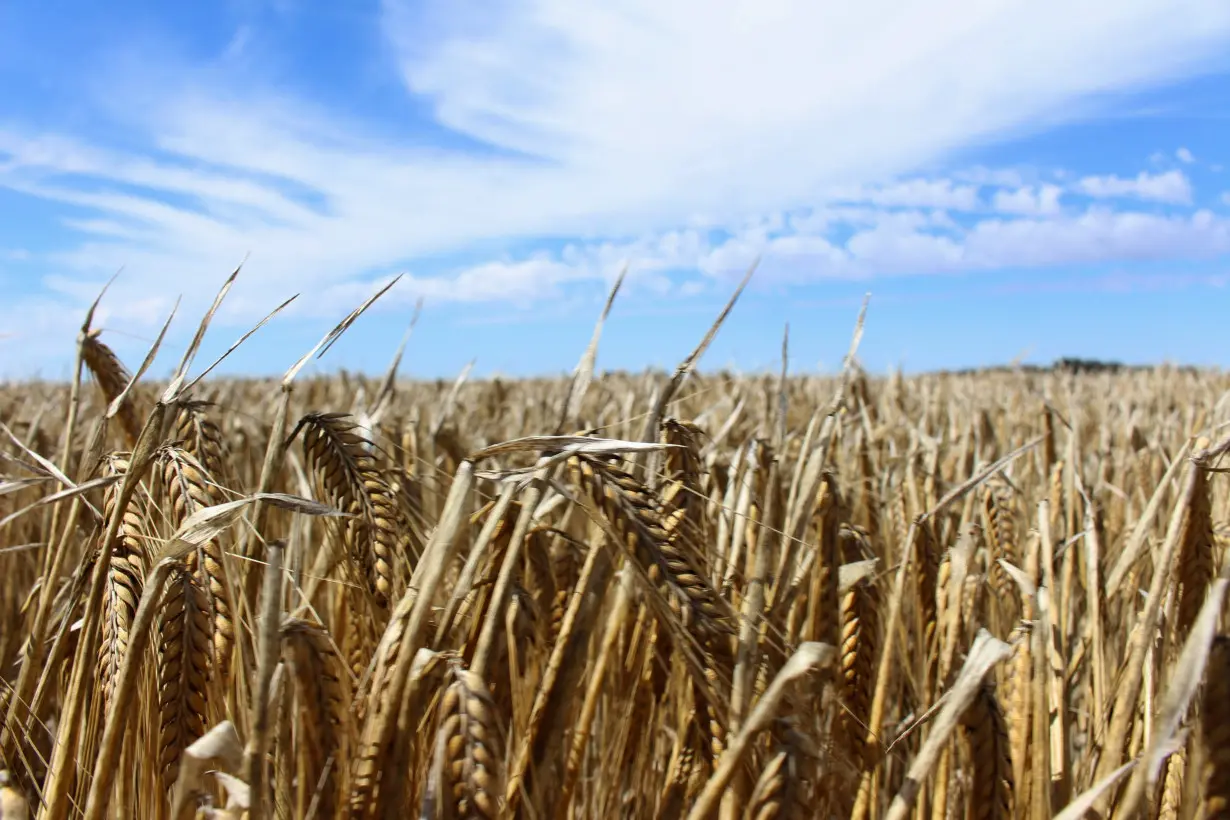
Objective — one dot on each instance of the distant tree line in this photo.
(1073, 364)
(1076, 365)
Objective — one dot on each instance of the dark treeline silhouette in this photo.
(1072, 364)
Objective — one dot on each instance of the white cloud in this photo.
(1185, 156)
(888, 250)
(1041, 200)
(780, 95)
(895, 246)
(1098, 235)
(914, 193)
(1171, 186)
(634, 126)
(998, 177)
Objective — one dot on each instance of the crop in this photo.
(993, 594)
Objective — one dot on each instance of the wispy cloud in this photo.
(1171, 186)
(903, 246)
(1040, 200)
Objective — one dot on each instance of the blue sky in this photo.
(1007, 179)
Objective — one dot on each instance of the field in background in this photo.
(984, 595)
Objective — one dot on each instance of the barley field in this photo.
(660, 595)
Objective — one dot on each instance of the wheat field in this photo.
(687, 595)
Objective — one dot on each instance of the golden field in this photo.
(987, 595)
